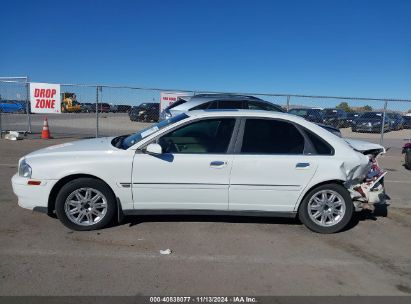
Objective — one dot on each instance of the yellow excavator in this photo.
(69, 103)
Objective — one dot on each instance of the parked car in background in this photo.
(407, 122)
(102, 107)
(149, 111)
(12, 106)
(87, 107)
(350, 117)
(370, 122)
(123, 108)
(218, 101)
(313, 115)
(406, 150)
(113, 108)
(236, 162)
(335, 117)
(395, 121)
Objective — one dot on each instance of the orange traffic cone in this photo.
(45, 133)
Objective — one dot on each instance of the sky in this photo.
(343, 48)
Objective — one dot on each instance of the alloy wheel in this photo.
(85, 206)
(326, 208)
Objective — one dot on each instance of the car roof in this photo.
(243, 113)
(334, 109)
(199, 99)
(224, 96)
(307, 109)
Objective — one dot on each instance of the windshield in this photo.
(136, 137)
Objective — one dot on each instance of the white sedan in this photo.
(234, 162)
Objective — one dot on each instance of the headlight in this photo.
(25, 169)
(141, 112)
(377, 123)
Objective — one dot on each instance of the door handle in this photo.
(217, 164)
(302, 165)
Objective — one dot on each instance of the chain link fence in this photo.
(100, 110)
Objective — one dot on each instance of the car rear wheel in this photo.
(326, 209)
(85, 204)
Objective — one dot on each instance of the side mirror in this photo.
(154, 149)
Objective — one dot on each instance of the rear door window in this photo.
(269, 136)
(320, 145)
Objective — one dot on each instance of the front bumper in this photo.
(31, 196)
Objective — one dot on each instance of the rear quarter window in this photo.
(320, 145)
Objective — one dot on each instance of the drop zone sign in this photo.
(45, 98)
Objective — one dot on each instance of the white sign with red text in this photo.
(45, 97)
(168, 98)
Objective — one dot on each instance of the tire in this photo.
(309, 206)
(76, 192)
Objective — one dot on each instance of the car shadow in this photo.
(367, 215)
(134, 220)
(139, 219)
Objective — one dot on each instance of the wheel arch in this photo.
(305, 193)
(56, 188)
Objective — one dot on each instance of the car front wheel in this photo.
(85, 204)
(326, 209)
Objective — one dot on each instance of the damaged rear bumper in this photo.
(368, 191)
(366, 194)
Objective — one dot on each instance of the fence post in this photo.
(27, 106)
(97, 88)
(383, 123)
(288, 102)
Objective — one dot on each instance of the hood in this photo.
(364, 146)
(86, 145)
